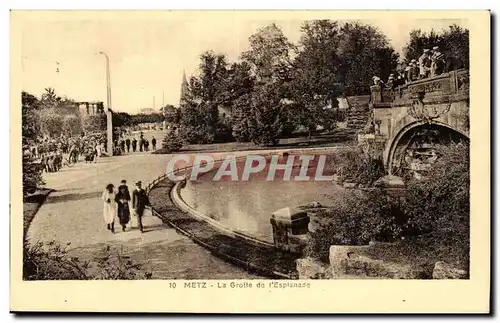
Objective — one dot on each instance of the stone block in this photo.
(338, 257)
(309, 268)
(350, 261)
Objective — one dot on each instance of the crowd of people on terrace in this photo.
(54, 152)
(431, 63)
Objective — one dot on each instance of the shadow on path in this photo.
(72, 197)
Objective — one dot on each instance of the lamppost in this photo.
(109, 113)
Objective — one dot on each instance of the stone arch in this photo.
(398, 144)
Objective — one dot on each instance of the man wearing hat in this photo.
(400, 79)
(390, 82)
(415, 71)
(407, 73)
(424, 63)
(437, 61)
(377, 81)
(139, 202)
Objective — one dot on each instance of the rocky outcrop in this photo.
(309, 268)
(443, 270)
(355, 262)
(349, 261)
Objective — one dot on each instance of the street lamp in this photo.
(109, 115)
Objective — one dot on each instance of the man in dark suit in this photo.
(139, 202)
(127, 143)
(134, 144)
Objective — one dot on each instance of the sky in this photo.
(149, 52)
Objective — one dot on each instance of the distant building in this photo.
(91, 108)
(148, 111)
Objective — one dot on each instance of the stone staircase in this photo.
(358, 114)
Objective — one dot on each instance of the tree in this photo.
(452, 42)
(95, 123)
(199, 110)
(49, 99)
(172, 114)
(59, 115)
(364, 52)
(67, 106)
(171, 143)
(270, 58)
(316, 78)
(30, 118)
(456, 45)
(121, 119)
(51, 123)
(72, 125)
(32, 171)
(242, 84)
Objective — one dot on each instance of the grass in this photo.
(317, 141)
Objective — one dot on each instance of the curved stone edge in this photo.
(27, 222)
(176, 198)
(218, 226)
(238, 262)
(183, 206)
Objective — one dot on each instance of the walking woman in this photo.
(122, 199)
(109, 210)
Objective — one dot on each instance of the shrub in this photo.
(435, 207)
(357, 165)
(52, 262)
(32, 175)
(172, 142)
(223, 133)
(440, 203)
(357, 217)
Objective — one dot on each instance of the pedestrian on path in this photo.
(153, 141)
(122, 145)
(122, 199)
(127, 143)
(109, 210)
(134, 145)
(139, 202)
(141, 144)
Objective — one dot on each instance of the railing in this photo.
(446, 83)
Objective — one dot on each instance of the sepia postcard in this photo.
(250, 161)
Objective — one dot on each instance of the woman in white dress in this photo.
(109, 210)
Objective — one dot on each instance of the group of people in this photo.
(126, 145)
(430, 63)
(119, 204)
(54, 152)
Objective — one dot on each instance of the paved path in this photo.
(73, 214)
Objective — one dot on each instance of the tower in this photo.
(184, 88)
